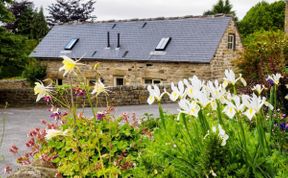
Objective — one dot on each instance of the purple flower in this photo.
(100, 115)
(284, 126)
(56, 114)
(271, 82)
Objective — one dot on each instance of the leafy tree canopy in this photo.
(221, 8)
(263, 16)
(5, 14)
(14, 53)
(64, 11)
(28, 22)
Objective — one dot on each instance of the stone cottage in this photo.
(144, 51)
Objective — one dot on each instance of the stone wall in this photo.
(134, 73)
(224, 57)
(15, 83)
(118, 96)
(17, 97)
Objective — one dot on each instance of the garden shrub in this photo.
(265, 53)
(95, 147)
(34, 71)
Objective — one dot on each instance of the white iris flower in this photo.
(230, 77)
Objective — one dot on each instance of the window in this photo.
(119, 81)
(71, 43)
(152, 81)
(156, 82)
(92, 82)
(162, 45)
(148, 81)
(59, 82)
(231, 41)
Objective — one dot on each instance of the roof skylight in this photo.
(71, 44)
(162, 45)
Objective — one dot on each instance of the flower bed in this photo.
(217, 132)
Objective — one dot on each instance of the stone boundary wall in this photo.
(15, 84)
(118, 96)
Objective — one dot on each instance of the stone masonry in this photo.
(118, 96)
(135, 73)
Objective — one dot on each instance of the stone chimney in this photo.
(286, 17)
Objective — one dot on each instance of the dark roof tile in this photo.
(194, 39)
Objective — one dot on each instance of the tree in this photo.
(263, 17)
(28, 22)
(64, 11)
(5, 14)
(221, 8)
(40, 26)
(14, 53)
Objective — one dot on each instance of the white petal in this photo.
(150, 100)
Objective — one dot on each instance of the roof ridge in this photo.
(150, 19)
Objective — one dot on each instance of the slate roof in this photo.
(194, 39)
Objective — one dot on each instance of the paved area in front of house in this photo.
(18, 122)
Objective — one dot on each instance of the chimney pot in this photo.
(118, 40)
(108, 39)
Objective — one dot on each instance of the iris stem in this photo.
(161, 115)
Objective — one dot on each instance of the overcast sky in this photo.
(126, 9)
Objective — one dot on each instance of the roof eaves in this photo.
(130, 60)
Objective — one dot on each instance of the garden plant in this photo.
(218, 132)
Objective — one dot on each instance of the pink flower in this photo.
(44, 122)
(58, 175)
(30, 143)
(14, 149)
(7, 170)
(47, 99)
(125, 117)
(79, 92)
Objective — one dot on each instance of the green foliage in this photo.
(34, 71)
(5, 14)
(28, 22)
(14, 53)
(180, 151)
(221, 8)
(263, 16)
(95, 148)
(40, 26)
(216, 133)
(265, 53)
